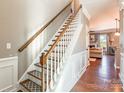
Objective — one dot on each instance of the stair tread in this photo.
(44, 66)
(35, 74)
(31, 86)
(38, 64)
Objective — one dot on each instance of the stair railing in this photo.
(31, 39)
(52, 59)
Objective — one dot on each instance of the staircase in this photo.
(45, 75)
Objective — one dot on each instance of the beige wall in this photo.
(20, 19)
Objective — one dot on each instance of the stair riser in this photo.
(37, 81)
(22, 88)
(39, 69)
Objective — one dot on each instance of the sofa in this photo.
(96, 52)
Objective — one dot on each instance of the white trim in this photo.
(121, 70)
(9, 58)
(122, 54)
(79, 53)
(106, 30)
(121, 81)
(77, 79)
(86, 13)
(6, 63)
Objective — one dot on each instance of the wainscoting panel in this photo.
(122, 69)
(8, 73)
(72, 72)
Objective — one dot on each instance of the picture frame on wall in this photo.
(92, 38)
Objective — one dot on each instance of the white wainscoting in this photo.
(122, 69)
(8, 73)
(72, 72)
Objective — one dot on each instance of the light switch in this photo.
(8, 45)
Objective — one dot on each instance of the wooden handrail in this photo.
(61, 34)
(41, 30)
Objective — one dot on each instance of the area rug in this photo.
(93, 59)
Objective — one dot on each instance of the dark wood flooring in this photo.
(100, 76)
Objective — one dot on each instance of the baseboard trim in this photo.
(121, 81)
(82, 72)
(11, 89)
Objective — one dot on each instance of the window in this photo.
(103, 41)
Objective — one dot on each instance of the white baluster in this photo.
(63, 50)
(47, 80)
(55, 62)
(61, 54)
(65, 42)
(68, 36)
(58, 63)
(51, 63)
(43, 80)
(64, 47)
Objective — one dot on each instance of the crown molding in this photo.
(109, 30)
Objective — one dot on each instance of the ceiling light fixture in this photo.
(117, 33)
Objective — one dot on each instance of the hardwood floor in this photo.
(100, 76)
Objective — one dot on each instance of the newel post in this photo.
(42, 62)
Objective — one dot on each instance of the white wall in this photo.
(77, 63)
(73, 70)
(20, 19)
(122, 45)
(122, 28)
(122, 69)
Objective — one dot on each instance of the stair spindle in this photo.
(61, 53)
(55, 64)
(47, 80)
(51, 64)
(58, 58)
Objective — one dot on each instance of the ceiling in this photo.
(103, 13)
